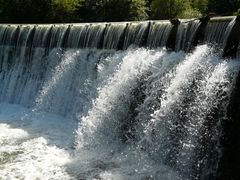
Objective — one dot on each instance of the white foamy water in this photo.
(34, 146)
(103, 114)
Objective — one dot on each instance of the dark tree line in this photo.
(58, 11)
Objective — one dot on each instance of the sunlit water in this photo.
(34, 146)
(101, 114)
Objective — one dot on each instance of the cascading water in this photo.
(109, 101)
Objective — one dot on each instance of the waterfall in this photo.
(114, 101)
(158, 34)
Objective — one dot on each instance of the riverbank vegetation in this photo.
(60, 11)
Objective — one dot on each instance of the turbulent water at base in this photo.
(90, 102)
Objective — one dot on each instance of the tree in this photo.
(223, 7)
(201, 5)
(25, 11)
(38, 11)
(65, 10)
(137, 10)
(113, 10)
(169, 9)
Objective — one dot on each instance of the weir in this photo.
(153, 99)
(176, 35)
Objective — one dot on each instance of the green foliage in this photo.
(223, 7)
(23, 11)
(168, 9)
(52, 11)
(137, 10)
(67, 5)
(200, 5)
(237, 13)
(190, 13)
(64, 10)
(113, 10)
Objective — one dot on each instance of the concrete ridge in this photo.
(212, 19)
